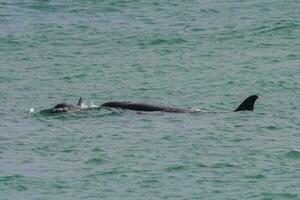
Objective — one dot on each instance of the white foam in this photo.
(93, 105)
(198, 110)
(83, 105)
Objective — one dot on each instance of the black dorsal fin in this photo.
(247, 104)
(79, 101)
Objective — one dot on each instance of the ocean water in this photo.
(201, 54)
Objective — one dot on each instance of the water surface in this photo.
(206, 55)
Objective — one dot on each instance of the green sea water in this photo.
(201, 54)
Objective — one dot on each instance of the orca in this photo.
(246, 105)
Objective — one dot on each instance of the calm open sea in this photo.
(201, 54)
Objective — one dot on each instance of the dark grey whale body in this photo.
(146, 107)
(246, 105)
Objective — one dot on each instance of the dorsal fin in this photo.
(79, 101)
(247, 104)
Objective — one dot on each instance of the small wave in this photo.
(295, 154)
(280, 195)
(109, 172)
(171, 41)
(175, 168)
(10, 177)
(256, 176)
(44, 6)
(209, 10)
(95, 161)
(280, 27)
(162, 41)
(222, 165)
(276, 28)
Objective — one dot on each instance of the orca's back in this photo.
(146, 107)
